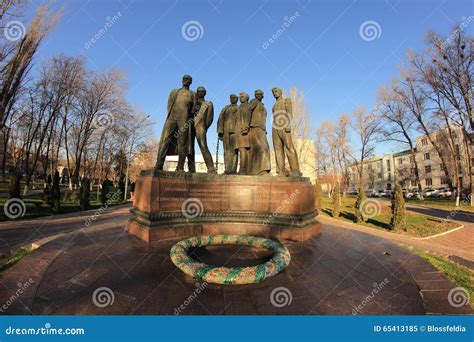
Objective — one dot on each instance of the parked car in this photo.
(413, 193)
(379, 193)
(387, 193)
(373, 193)
(428, 192)
(441, 193)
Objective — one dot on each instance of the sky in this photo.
(337, 52)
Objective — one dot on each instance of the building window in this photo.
(427, 168)
(424, 142)
(388, 165)
(444, 180)
(428, 182)
(426, 156)
(389, 176)
(458, 152)
(400, 161)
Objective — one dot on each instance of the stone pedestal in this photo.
(167, 204)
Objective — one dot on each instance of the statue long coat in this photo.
(226, 125)
(173, 146)
(259, 161)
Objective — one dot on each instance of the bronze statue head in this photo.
(277, 92)
(187, 80)
(201, 92)
(244, 97)
(259, 94)
(233, 98)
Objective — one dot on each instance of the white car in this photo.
(428, 192)
(413, 193)
(379, 193)
(442, 193)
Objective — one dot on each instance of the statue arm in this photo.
(171, 99)
(252, 105)
(192, 104)
(289, 110)
(220, 121)
(210, 115)
(245, 120)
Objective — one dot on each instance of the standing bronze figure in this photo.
(281, 134)
(203, 115)
(259, 161)
(242, 127)
(176, 130)
(227, 133)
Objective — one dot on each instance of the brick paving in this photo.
(337, 272)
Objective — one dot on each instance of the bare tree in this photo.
(449, 78)
(101, 99)
(16, 57)
(302, 129)
(366, 127)
(397, 123)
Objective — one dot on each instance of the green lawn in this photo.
(417, 225)
(459, 275)
(443, 204)
(36, 208)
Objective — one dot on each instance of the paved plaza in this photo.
(341, 272)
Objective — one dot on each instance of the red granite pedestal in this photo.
(168, 204)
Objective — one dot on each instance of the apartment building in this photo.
(430, 166)
(383, 172)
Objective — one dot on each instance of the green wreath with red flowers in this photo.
(229, 275)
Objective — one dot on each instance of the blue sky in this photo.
(320, 52)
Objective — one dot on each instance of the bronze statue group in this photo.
(241, 127)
